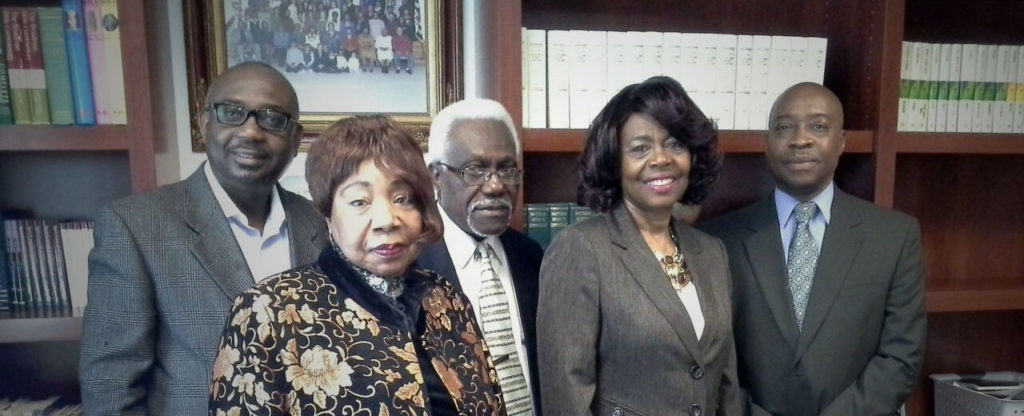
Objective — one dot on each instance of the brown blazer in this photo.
(613, 336)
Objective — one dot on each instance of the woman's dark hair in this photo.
(664, 100)
(346, 144)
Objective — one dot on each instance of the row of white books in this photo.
(965, 88)
(569, 75)
(44, 407)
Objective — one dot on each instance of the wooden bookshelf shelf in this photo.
(732, 141)
(40, 326)
(960, 143)
(978, 295)
(64, 138)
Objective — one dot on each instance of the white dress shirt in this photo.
(785, 205)
(267, 253)
(460, 248)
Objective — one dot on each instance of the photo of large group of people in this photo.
(371, 49)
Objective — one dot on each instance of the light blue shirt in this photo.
(266, 253)
(785, 205)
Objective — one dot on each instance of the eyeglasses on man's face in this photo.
(476, 175)
(236, 115)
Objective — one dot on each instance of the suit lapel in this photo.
(764, 253)
(435, 257)
(704, 281)
(215, 246)
(640, 263)
(842, 241)
(303, 230)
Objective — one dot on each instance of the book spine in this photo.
(965, 104)
(78, 62)
(952, 110)
(55, 60)
(558, 78)
(901, 115)
(43, 255)
(28, 264)
(63, 290)
(537, 68)
(945, 63)
(744, 67)
(725, 78)
(934, 71)
(15, 42)
(760, 101)
(13, 261)
(6, 115)
(797, 60)
(524, 61)
(1018, 117)
(5, 275)
(597, 42)
(115, 68)
(980, 88)
(653, 54)
(817, 50)
(39, 109)
(97, 60)
(579, 82)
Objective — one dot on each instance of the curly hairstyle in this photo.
(664, 100)
(346, 144)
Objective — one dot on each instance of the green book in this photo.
(558, 219)
(14, 44)
(39, 108)
(55, 60)
(6, 115)
(537, 223)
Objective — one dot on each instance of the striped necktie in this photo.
(803, 257)
(496, 325)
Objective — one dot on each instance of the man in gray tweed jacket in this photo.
(168, 263)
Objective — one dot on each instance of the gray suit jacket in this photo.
(162, 276)
(613, 336)
(862, 344)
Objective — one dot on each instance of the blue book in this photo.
(78, 62)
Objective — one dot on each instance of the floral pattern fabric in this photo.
(296, 344)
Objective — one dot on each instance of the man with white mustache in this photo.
(474, 156)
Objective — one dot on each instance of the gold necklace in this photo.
(675, 266)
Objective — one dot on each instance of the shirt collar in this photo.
(275, 220)
(461, 245)
(785, 203)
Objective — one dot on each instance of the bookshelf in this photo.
(65, 172)
(973, 266)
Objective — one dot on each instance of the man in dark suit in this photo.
(474, 158)
(167, 263)
(827, 288)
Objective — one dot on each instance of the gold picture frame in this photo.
(438, 34)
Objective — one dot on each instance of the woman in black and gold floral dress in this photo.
(359, 332)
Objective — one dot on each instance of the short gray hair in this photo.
(468, 109)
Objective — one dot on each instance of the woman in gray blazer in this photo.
(634, 315)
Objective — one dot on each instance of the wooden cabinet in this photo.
(967, 190)
(63, 172)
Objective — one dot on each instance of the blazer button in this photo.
(696, 372)
(695, 410)
(617, 412)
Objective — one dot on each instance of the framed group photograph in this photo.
(343, 57)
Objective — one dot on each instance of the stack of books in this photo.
(569, 75)
(62, 65)
(44, 264)
(963, 88)
(544, 221)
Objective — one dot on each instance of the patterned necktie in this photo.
(496, 325)
(803, 256)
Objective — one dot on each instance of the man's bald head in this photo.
(800, 90)
(247, 73)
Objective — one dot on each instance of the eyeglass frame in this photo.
(254, 114)
(489, 172)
